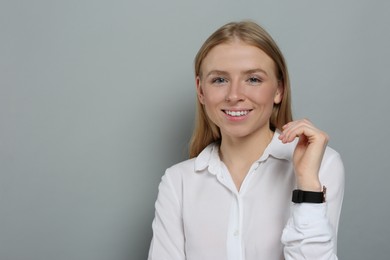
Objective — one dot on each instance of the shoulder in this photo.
(171, 185)
(192, 168)
(181, 167)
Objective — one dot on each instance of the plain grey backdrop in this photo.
(97, 99)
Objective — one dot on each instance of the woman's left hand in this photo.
(308, 153)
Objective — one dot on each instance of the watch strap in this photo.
(300, 196)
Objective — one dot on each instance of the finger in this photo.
(297, 128)
(312, 135)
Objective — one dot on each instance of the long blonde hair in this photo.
(205, 131)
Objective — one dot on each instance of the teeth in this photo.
(236, 113)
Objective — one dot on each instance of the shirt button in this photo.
(236, 233)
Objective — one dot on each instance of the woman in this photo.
(232, 199)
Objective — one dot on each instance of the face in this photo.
(238, 88)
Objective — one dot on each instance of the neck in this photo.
(244, 150)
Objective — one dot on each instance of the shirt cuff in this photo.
(305, 214)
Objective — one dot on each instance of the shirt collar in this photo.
(209, 157)
(279, 150)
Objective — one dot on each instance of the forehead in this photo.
(237, 56)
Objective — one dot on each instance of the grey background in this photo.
(97, 99)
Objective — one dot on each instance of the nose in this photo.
(234, 93)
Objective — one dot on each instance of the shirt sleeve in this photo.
(311, 231)
(168, 236)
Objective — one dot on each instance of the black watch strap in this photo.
(300, 196)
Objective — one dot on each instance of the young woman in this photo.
(254, 187)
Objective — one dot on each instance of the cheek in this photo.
(264, 96)
(212, 97)
(211, 103)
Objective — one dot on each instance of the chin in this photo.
(242, 132)
(236, 134)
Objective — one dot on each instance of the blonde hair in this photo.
(205, 131)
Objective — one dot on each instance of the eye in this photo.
(218, 80)
(254, 80)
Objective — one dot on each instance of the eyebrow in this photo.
(221, 72)
(216, 72)
(255, 70)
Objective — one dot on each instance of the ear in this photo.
(199, 90)
(279, 93)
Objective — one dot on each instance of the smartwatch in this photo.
(300, 196)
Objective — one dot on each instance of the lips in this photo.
(236, 113)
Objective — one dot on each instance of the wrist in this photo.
(300, 196)
(310, 185)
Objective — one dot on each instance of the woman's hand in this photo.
(308, 152)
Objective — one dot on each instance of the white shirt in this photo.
(200, 215)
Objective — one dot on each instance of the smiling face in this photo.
(238, 87)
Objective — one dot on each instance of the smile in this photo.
(236, 113)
